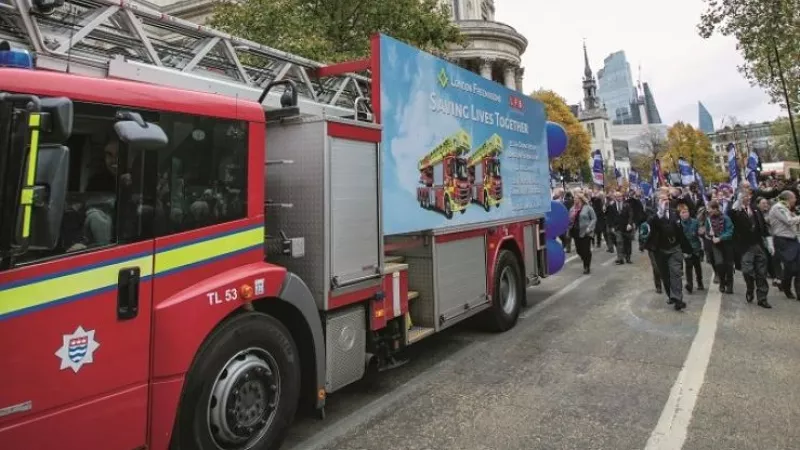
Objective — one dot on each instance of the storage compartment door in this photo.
(460, 278)
(354, 211)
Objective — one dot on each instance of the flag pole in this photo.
(786, 97)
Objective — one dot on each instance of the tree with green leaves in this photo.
(576, 156)
(337, 30)
(782, 148)
(767, 33)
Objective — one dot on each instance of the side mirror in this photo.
(140, 134)
(49, 197)
(57, 119)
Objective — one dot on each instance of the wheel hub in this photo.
(244, 399)
(508, 290)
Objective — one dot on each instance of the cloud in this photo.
(679, 65)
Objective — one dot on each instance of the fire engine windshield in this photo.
(494, 167)
(461, 168)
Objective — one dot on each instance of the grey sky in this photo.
(679, 65)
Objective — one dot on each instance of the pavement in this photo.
(595, 362)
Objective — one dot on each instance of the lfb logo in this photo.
(77, 349)
(515, 102)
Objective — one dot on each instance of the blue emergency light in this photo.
(20, 59)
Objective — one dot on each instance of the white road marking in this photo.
(555, 296)
(571, 258)
(673, 425)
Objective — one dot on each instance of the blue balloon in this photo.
(556, 221)
(556, 140)
(555, 256)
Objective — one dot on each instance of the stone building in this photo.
(492, 49)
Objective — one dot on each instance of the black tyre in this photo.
(448, 211)
(508, 294)
(242, 390)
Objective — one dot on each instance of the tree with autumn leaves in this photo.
(683, 140)
(576, 157)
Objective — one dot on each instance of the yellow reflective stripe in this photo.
(26, 221)
(27, 196)
(26, 200)
(208, 249)
(69, 285)
(33, 156)
(88, 280)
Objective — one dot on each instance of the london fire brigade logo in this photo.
(77, 349)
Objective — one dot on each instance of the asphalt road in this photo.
(596, 362)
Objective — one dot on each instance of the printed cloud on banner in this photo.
(418, 129)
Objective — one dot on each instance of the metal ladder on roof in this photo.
(127, 40)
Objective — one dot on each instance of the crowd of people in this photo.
(751, 229)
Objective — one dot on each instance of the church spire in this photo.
(590, 100)
(587, 71)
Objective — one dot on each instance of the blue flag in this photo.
(658, 177)
(618, 176)
(633, 177)
(733, 166)
(598, 174)
(701, 185)
(686, 171)
(647, 189)
(753, 169)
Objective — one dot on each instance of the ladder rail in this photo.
(85, 36)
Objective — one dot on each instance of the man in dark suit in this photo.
(622, 221)
(600, 228)
(749, 231)
(639, 214)
(670, 246)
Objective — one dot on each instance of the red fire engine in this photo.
(182, 266)
(484, 171)
(443, 179)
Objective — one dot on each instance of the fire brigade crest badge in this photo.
(77, 349)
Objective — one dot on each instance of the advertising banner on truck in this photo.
(458, 149)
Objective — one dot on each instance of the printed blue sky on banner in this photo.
(425, 100)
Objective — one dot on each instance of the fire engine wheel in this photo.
(509, 291)
(243, 388)
(448, 211)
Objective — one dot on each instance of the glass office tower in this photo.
(616, 89)
(705, 121)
